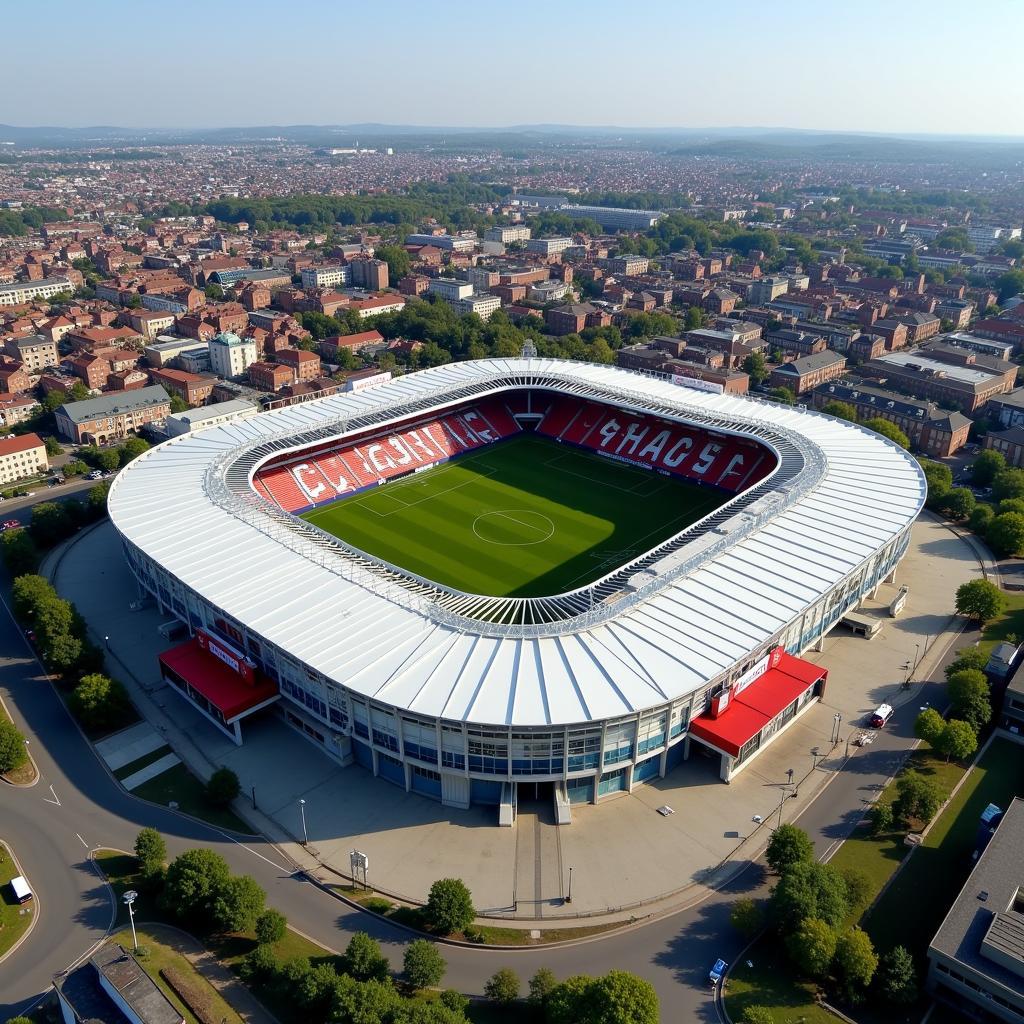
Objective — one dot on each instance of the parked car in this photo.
(10, 524)
(717, 972)
(19, 887)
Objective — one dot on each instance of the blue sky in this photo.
(865, 65)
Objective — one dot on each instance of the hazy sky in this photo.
(867, 65)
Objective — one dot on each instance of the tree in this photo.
(841, 410)
(897, 976)
(502, 987)
(178, 404)
(856, 960)
(889, 430)
(1011, 505)
(979, 599)
(50, 523)
(12, 747)
(214, 292)
(787, 846)
(1008, 483)
(882, 818)
(423, 964)
(454, 1000)
(20, 554)
(364, 960)
(150, 851)
(271, 927)
(109, 460)
(757, 1014)
(132, 449)
(570, 1001)
(970, 697)
(916, 797)
(812, 946)
(755, 366)
(694, 318)
(238, 903)
(980, 518)
(620, 997)
(53, 447)
(986, 466)
(958, 740)
(1005, 534)
(259, 963)
(397, 259)
(99, 702)
(939, 479)
(541, 985)
(858, 886)
(1009, 284)
(928, 726)
(783, 395)
(747, 917)
(967, 657)
(449, 906)
(809, 889)
(194, 880)
(222, 787)
(959, 503)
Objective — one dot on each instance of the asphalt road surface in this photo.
(76, 807)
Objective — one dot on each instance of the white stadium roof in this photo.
(656, 645)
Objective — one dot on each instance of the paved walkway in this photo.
(623, 854)
(129, 745)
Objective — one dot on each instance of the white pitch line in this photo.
(82, 841)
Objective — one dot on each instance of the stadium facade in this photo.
(462, 697)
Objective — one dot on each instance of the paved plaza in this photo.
(622, 852)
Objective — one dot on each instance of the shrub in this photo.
(898, 976)
(747, 917)
(423, 964)
(502, 987)
(812, 946)
(223, 786)
(541, 986)
(12, 747)
(99, 702)
(979, 599)
(916, 797)
(260, 963)
(787, 846)
(378, 905)
(856, 961)
(452, 999)
(363, 958)
(271, 927)
(449, 906)
(882, 818)
(151, 851)
(755, 1014)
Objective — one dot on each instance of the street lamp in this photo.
(129, 898)
(568, 898)
(106, 642)
(302, 811)
(837, 722)
(814, 758)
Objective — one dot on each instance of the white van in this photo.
(880, 716)
(22, 893)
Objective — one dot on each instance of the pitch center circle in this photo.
(498, 526)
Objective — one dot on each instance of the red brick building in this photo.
(270, 376)
(193, 388)
(304, 365)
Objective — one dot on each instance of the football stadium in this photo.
(512, 570)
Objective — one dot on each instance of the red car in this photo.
(11, 524)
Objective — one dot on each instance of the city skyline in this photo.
(846, 73)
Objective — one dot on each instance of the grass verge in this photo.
(15, 918)
(1010, 623)
(24, 775)
(181, 786)
(158, 956)
(139, 763)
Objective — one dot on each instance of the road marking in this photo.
(56, 799)
(82, 841)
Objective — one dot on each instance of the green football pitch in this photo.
(523, 518)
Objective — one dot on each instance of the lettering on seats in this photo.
(634, 435)
(609, 431)
(405, 456)
(333, 470)
(651, 451)
(379, 459)
(678, 452)
(706, 459)
(735, 465)
(309, 479)
(475, 422)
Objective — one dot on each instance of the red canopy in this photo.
(749, 712)
(224, 689)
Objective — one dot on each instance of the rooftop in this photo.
(115, 402)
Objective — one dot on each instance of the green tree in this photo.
(109, 460)
(882, 818)
(783, 395)
(809, 889)
(980, 599)
(970, 697)
(364, 960)
(747, 917)
(966, 657)
(788, 845)
(980, 519)
(1008, 483)
(1009, 284)
(50, 523)
(237, 904)
(928, 726)
(214, 292)
(620, 997)
(99, 702)
(1005, 534)
(449, 906)
(889, 430)
(940, 482)
(986, 466)
(423, 964)
(260, 963)
(957, 741)
(898, 978)
(859, 889)
(178, 404)
(916, 797)
(20, 554)
(222, 787)
(502, 987)
(132, 449)
(1011, 505)
(195, 879)
(452, 999)
(812, 946)
(856, 961)
(959, 503)
(541, 985)
(271, 927)
(12, 747)
(841, 410)
(694, 318)
(757, 1014)
(53, 447)
(150, 851)
(397, 259)
(755, 366)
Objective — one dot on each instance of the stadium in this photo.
(515, 570)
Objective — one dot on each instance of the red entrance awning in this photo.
(751, 710)
(227, 691)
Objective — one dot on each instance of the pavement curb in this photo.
(28, 750)
(36, 911)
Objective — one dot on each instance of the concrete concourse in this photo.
(627, 860)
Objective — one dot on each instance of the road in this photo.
(76, 806)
